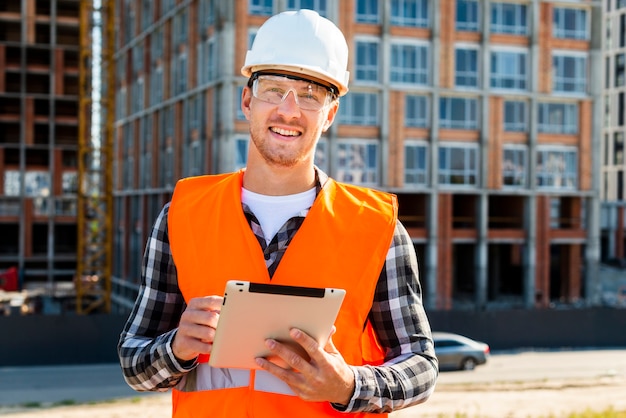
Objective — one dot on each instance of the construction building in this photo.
(486, 118)
(482, 116)
(39, 88)
(613, 182)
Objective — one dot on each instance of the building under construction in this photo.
(39, 87)
(485, 118)
(486, 125)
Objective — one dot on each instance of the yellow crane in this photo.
(95, 156)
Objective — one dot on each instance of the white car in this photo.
(457, 352)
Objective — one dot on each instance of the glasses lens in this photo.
(275, 89)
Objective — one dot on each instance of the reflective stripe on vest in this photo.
(342, 243)
(205, 377)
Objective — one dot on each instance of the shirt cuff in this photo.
(179, 365)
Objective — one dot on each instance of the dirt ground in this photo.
(511, 400)
(516, 385)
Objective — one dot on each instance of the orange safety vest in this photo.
(342, 243)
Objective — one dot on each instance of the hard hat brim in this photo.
(315, 73)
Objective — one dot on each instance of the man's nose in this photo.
(290, 102)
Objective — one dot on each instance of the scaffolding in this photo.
(95, 157)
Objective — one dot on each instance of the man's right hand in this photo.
(196, 329)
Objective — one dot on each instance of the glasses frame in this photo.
(253, 84)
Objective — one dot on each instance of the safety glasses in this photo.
(271, 88)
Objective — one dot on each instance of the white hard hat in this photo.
(301, 42)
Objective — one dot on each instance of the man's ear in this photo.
(246, 98)
(330, 117)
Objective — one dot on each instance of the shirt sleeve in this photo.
(409, 373)
(144, 347)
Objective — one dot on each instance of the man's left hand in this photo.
(324, 377)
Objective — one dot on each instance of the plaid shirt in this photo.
(406, 378)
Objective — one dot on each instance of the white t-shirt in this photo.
(273, 211)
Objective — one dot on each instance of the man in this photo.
(283, 221)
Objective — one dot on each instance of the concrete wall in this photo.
(503, 330)
(60, 339)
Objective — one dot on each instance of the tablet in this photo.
(253, 312)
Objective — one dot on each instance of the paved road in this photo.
(53, 384)
(544, 365)
(89, 383)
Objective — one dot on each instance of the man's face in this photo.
(283, 134)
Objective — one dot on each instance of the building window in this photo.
(321, 155)
(181, 26)
(466, 67)
(558, 118)
(621, 109)
(238, 112)
(570, 73)
(415, 163)
(607, 111)
(416, 111)
(156, 88)
(12, 183)
(207, 13)
(145, 156)
(167, 148)
(620, 70)
(467, 15)
(120, 103)
(409, 64)
(622, 31)
(570, 23)
(515, 116)
(509, 70)
(146, 14)
(318, 5)
(207, 68)
(366, 61)
(458, 113)
(194, 158)
(413, 13)
(156, 45)
(261, 7)
(36, 183)
(359, 109)
(167, 5)
(179, 80)
(129, 22)
(194, 136)
(138, 95)
(514, 166)
(128, 159)
(357, 162)
(458, 164)
(618, 148)
(509, 18)
(241, 152)
(367, 11)
(557, 167)
(70, 182)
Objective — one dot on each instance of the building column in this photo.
(592, 284)
(530, 252)
(542, 278)
(619, 233)
(432, 253)
(481, 254)
(444, 252)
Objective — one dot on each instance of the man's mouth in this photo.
(285, 132)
